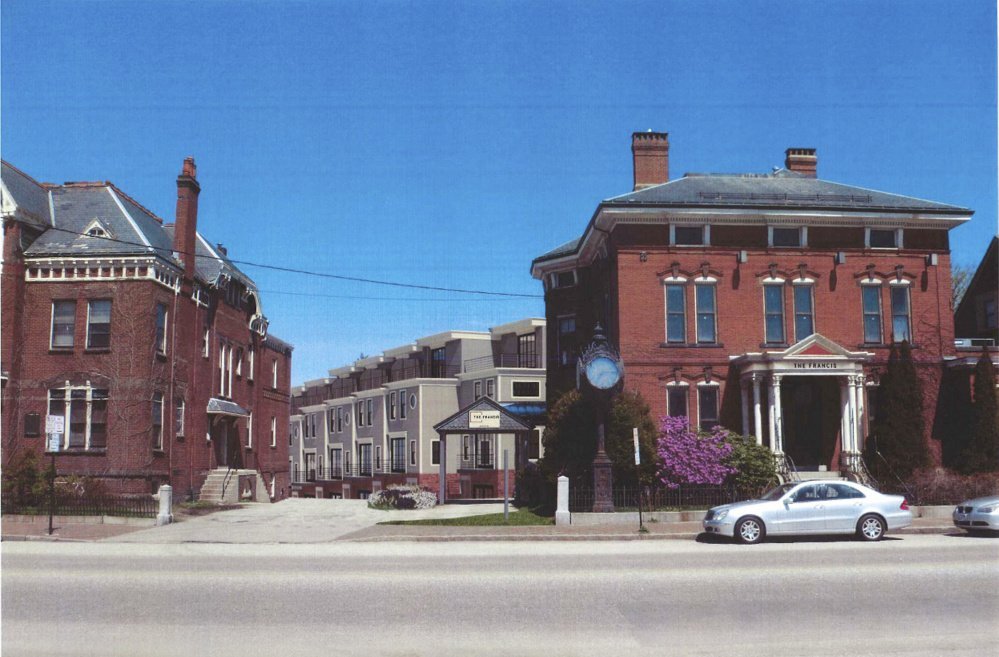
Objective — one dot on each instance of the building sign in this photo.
(55, 424)
(816, 366)
(483, 419)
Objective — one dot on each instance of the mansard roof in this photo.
(24, 197)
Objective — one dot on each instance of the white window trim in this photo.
(249, 430)
(674, 385)
(718, 401)
(491, 388)
(273, 431)
(413, 449)
(239, 362)
(514, 396)
(206, 347)
(477, 390)
(794, 303)
(274, 374)
(775, 282)
(553, 279)
(705, 235)
(86, 340)
(52, 324)
(678, 280)
(712, 281)
(402, 404)
(393, 400)
(908, 310)
(178, 429)
(161, 348)
(158, 446)
(802, 237)
(66, 414)
(249, 373)
(867, 239)
(900, 282)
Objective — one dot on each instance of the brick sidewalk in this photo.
(36, 528)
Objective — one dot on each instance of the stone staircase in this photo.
(834, 475)
(222, 486)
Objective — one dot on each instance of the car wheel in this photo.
(749, 530)
(871, 528)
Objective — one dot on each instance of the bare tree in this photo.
(960, 276)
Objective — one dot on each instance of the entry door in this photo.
(310, 466)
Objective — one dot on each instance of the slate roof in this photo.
(31, 197)
(781, 189)
(134, 231)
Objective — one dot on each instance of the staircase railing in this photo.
(225, 481)
(786, 470)
(856, 470)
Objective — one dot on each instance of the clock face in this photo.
(603, 373)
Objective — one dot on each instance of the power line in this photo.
(305, 272)
(369, 298)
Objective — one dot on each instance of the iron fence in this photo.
(661, 498)
(143, 506)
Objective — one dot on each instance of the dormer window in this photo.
(787, 237)
(562, 279)
(96, 229)
(689, 235)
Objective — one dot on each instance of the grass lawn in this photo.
(517, 517)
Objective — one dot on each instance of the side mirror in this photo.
(787, 501)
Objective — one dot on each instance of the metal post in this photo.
(52, 478)
(506, 486)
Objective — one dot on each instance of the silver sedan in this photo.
(811, 507)
(978, 515)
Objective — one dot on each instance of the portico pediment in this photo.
(816, 354)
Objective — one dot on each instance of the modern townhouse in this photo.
(371, 424)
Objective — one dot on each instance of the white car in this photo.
(978, 515)
(811, 507)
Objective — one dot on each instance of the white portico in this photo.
(813, 405)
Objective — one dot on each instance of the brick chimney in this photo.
(802, 160)
(650, 151)
(185, 230)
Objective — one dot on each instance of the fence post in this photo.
(165, 496)
(562, 516)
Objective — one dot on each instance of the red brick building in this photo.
(765, 302)
(146, 340)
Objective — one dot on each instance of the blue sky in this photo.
(449, 143)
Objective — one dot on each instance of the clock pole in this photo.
(602, 366)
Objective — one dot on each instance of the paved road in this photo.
(915, 595)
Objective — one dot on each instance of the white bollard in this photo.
(165, 496)
(562, 516)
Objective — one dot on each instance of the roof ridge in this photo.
(131, 200)
(42, 185)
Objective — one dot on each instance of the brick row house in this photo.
(371, 424)
(767, 302)
(146, 340)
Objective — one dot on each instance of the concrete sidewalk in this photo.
(304, 521)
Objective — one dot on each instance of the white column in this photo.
(562, 516)
(852, 402)
(442, 469)
(844, 422)
(744, 386)
(757, 412)
(859, 436)
(165, 497)
(772, 417)
(778, 416)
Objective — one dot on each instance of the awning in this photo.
(531, 410)
(218, 406)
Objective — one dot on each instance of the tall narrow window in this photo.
(527, 351)
(566, 347)
(398, 454)
(178, 418)
(478, 389)
(438, 363)
(360, 413)
(676, 314)
(435, 452)
(391, 409)
(402, 404)
(99, 324)
(249, 364)
(872, 313)
(239, 362)
(249, 429)
(98, 438)
(371, 412)
(804, 324)
(900, 327)
(274, 373)
(161, 324)
(412, 452)
(339, 419)
(707, 406)
(491, 388)
(706, 311)
(63, 321)
(205, 342)
(676, 401)
(157, 420)
(773, 304)
(273, 431)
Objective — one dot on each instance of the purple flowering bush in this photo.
(686, 457)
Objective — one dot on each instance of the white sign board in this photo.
(638, 456)
(483, 419)
(55, 424)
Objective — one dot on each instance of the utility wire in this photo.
(305, 272)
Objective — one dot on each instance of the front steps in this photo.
(223, 486)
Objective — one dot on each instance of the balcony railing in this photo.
(502, 360)
(337, 473)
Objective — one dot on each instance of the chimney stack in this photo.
(186, 228)
(650, 151)
(802, 160)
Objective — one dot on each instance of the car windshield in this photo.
(777, 492)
